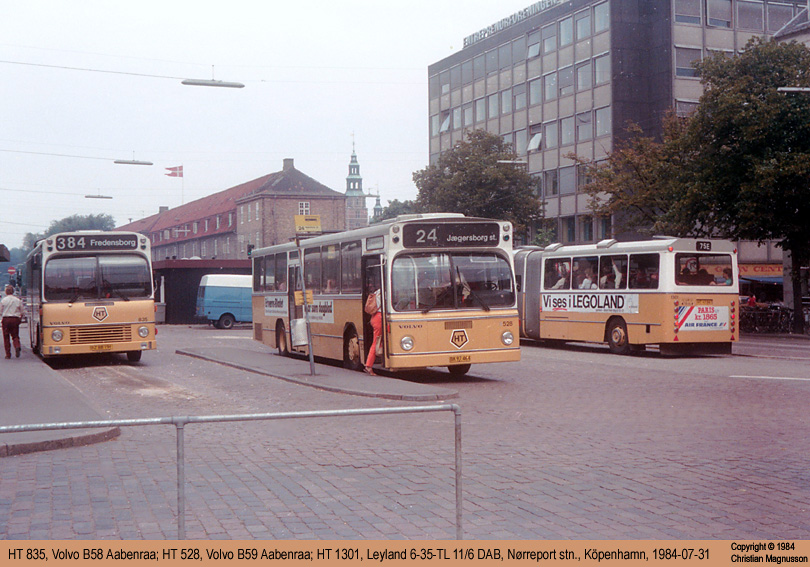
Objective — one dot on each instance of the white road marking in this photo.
(772, 378)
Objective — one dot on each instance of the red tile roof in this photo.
(288, 182)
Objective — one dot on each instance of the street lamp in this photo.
(212, 83)
(793, 89)
(132, 162)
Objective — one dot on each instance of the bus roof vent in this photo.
(553, 247)
(607, 243)
(428, 216)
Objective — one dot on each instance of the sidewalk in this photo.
(31, 392)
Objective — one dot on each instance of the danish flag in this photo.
(175, 171)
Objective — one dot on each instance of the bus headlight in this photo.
(143, 332)
(406, 343)
(57, 335)
(507, 338)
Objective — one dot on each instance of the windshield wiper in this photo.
(475, 296)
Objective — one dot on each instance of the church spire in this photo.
(356, 210)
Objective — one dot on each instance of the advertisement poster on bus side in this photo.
(276, 306)
(702, 318)
(321, 311)
(584, 302)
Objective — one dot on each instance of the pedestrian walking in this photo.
(372, 308)
(11, 311)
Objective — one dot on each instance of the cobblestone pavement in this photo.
(570, 443)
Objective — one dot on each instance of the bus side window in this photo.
(557, 273)
(613, 272)
(644, 271)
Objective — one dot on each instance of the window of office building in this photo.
(467, 111)
(601, 17)
(549, 38)
(687, 11)
(480, 110)
(750, 15)
(586, 228)
(568, 181)
(604, 125)
(457, 118)
(601, 69)
(550, 86)
(535, 92)
(550, 135)
(584, 76)
(719, 13)
(583, 24)
(506, 102)
(520, 142)
(492, 61)
(467, 72)
(535, 138)
(534, 41)
(492, 102)
(684, 58)
(569, 229)
(434, 125)
(566, 81)
(584, 126)
(550, 183)
(505, 56)
(583, 177)
(520, 96)
(778, 16)
(519, 50)
(567, 31)
(684, 108)
(479, 67)
(567, 131)
(455, 77)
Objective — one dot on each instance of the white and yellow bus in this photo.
(679, 293)
(90, 292)
(447, 293)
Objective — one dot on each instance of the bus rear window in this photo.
(703, 269)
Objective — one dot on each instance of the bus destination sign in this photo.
(96, 242)
(441, 235)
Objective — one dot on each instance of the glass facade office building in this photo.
(565, 76)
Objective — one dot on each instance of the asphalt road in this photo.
(568, 443)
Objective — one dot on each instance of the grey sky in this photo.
(315, 74)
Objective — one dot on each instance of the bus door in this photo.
(298, 329)
(373, 280)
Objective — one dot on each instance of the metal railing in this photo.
(180, 423)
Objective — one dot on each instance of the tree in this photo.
(751, 150)
(472, 178)
(70, 224)
(643, 182)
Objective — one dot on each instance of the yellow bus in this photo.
(90, 292)
(446, 286)
(679, 293)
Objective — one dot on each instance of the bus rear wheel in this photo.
(352, 358)
(459, 369)
(618, 340)
(281, 340)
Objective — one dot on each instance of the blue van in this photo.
(224, 299)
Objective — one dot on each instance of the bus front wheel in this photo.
(134, 355)
(352, 357)
(459, 369)
(618, 340)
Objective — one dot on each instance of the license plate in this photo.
(704, 302)
(460, 358)
(100, 347)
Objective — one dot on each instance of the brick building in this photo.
(259, 213)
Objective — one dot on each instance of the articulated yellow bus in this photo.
(446, 287)
(90, 292)
(679, 293)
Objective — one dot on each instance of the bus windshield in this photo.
(424, 281)
(114, 276)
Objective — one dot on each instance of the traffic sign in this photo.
(12, 270)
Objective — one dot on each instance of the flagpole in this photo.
(183, 186)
